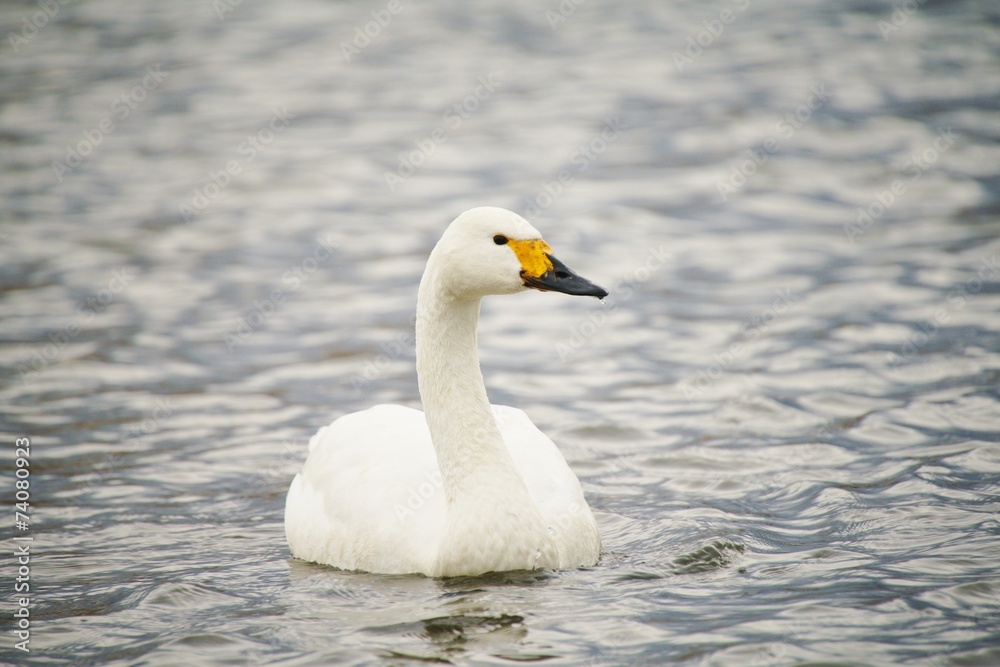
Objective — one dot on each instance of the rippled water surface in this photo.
(786, 416)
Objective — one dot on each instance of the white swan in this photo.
(466, 487)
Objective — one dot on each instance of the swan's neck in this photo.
(492, 521)
(470, 450)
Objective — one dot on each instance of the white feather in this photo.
(488, 491)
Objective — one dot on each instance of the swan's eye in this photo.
(500, 239)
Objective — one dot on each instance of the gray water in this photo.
(785, 416)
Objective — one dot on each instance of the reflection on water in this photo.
(785, 415)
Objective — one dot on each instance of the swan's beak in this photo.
(560, 278)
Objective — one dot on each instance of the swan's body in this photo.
(466, 487)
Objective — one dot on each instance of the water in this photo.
(785, 416)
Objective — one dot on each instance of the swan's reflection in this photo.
(420, 618)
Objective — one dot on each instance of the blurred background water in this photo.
(214, 218)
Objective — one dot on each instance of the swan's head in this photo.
(490, 250)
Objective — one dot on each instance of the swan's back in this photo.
(552, 486)
(370, 495)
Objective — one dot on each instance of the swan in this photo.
(463, 488)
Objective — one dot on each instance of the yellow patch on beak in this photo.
(532, 255)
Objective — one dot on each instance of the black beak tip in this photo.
(563, 279)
